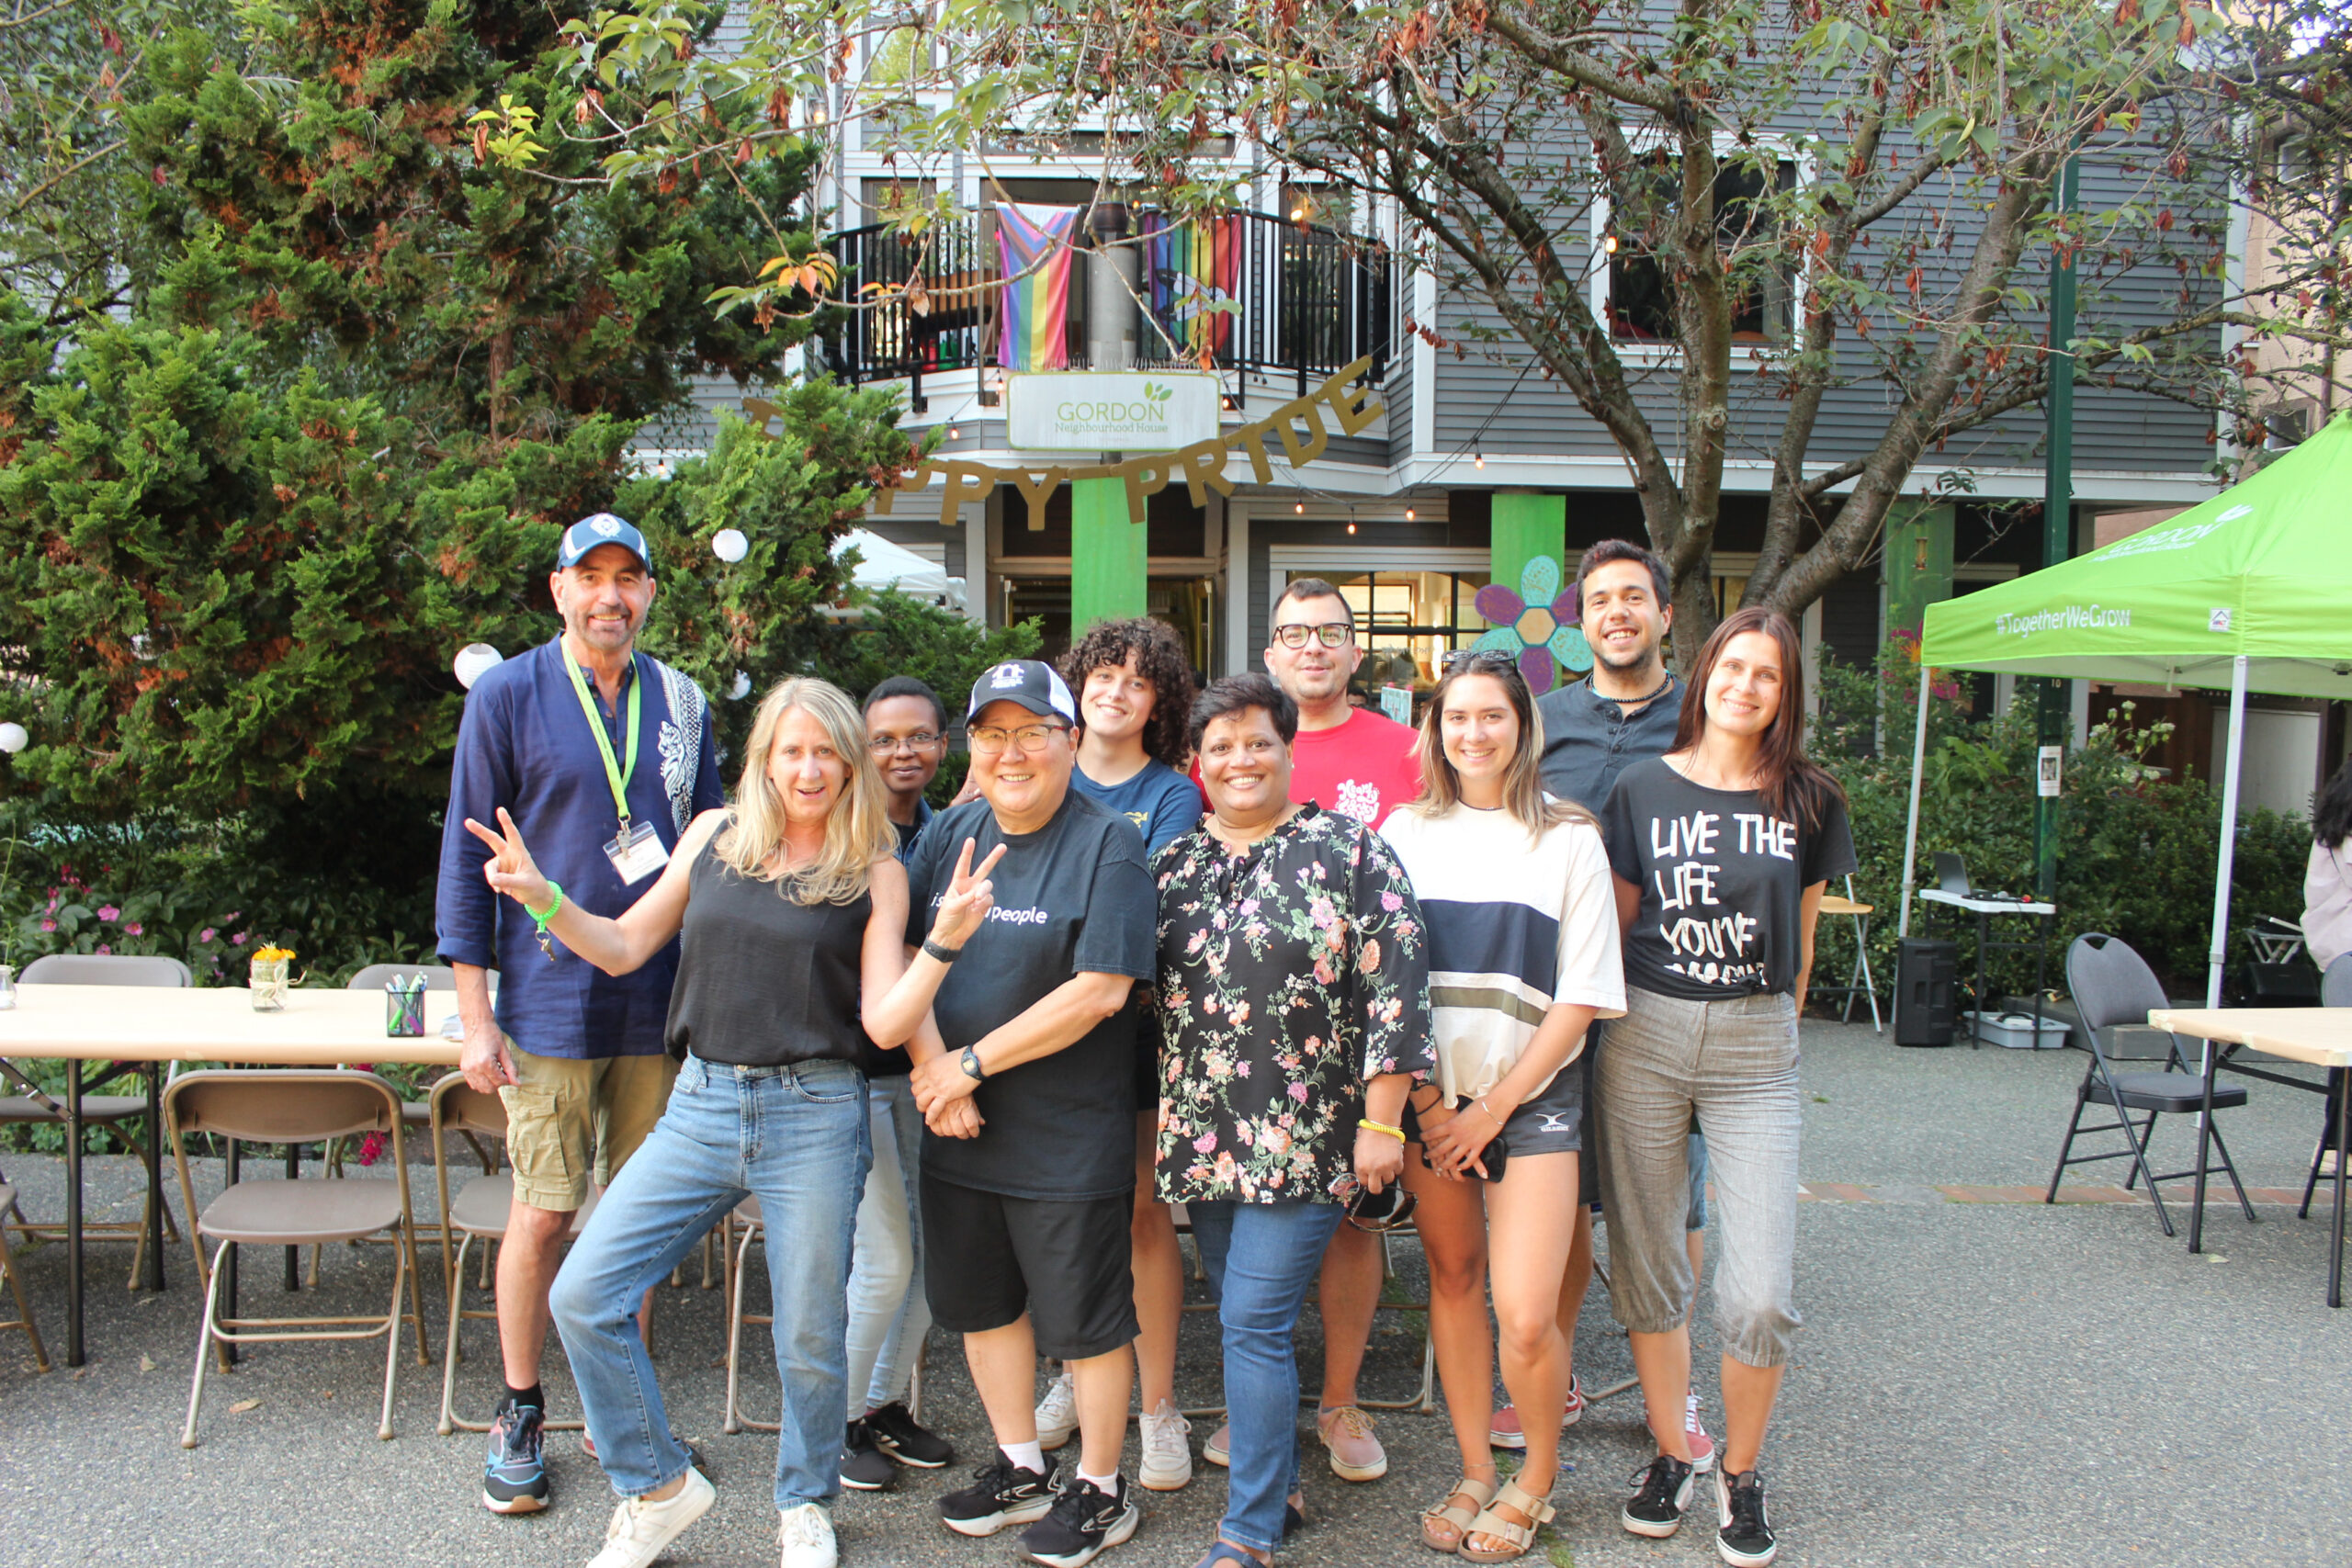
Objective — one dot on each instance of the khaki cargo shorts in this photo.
(569, 1121)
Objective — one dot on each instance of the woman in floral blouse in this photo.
(1293, 999)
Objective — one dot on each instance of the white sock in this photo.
(1107, 1485)
(1029, 1456)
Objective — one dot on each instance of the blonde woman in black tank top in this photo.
(791, 909)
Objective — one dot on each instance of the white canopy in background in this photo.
(882, 564)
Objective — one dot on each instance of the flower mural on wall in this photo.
(1539, 625)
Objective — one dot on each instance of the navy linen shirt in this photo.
(525, 745)
(1589, 739)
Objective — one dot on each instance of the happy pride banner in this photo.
(1297, 428)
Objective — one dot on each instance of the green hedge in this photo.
(2136, 851)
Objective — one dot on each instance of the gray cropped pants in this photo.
(1733, 1064)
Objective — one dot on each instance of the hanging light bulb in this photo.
(1478, 461)
(1351, 527)
(729, 545)
(955, 434)
(1410, 513)
(14, 738)
(1609, 244)
(1299, 507)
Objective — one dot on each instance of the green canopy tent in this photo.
(2250, 592)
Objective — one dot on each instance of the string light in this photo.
(1299, 507)
(1609, 244)
(1478, 461)
(954, 433)
(1410, 515)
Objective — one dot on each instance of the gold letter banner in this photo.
(1200, 464)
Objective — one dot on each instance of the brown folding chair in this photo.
(295, 1106)
(24, 1318)
(479, 1212)
(115, 1113)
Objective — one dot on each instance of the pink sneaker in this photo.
(1702, 1447)
(1504, 1430)
(1574, 1412)
(1356, 1454)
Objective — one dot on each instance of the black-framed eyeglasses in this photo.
(922, 739)
(988, 739)
(1331, 634)
(1385, 1209)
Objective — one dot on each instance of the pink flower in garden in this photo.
(371, 1148)
(104, 948)
(108, 911)
(135, 928)
(49, 925)
(208, 933)
(237, 940)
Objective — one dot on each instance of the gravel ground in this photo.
(1978, 1383)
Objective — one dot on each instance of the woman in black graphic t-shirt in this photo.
(1721, 849)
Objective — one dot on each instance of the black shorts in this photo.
(988, 1258)
(1553, 1122)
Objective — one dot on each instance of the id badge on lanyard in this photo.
(635, 851)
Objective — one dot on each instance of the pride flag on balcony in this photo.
(1035, 241)
(1194, 265)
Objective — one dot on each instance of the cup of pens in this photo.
(404, 1007)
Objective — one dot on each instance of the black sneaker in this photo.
(1000, 1495)
(895, 1432)
(865, 1467)
(1743, 1540)
(1660, 1494)
(1086, 1521)
(514, 1473)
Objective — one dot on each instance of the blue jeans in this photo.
(795, 1136)
(888, 1314)
(1260, 1259)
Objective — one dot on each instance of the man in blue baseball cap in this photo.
(601, 754)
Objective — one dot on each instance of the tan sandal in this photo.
(1443, 1526)
(1538, 1511)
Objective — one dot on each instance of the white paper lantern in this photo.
(741, 688)
(13, 738)
(729, 545)
(474, 661)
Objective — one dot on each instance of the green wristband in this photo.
(542, 920)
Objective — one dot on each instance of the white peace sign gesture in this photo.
(509, 868)
(967, 899)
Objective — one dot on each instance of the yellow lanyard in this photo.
(614, 773)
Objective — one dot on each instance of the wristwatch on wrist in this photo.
(972, 1068)
(945, 955)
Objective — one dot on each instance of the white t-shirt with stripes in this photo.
(1518, 925)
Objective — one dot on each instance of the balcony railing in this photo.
(1308, 301)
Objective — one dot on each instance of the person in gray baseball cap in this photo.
(1025, 1076)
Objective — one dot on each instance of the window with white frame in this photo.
(1634, 292)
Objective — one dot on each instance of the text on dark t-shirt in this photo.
(1071, 898)
(1723, 882)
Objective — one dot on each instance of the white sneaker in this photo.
(806, 1534)
(1057, 1412)
(640, 1529)
(1167, 1464)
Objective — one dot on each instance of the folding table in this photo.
(2319, 1037)
(121, 1024)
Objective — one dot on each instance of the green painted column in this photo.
(1526, 526)
(1110, 565)
(1919, 563)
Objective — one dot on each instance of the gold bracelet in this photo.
(1368, 1125)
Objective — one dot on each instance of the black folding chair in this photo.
(2334, 991)
(2113, 986)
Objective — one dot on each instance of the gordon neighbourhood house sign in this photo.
(1096, 411)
